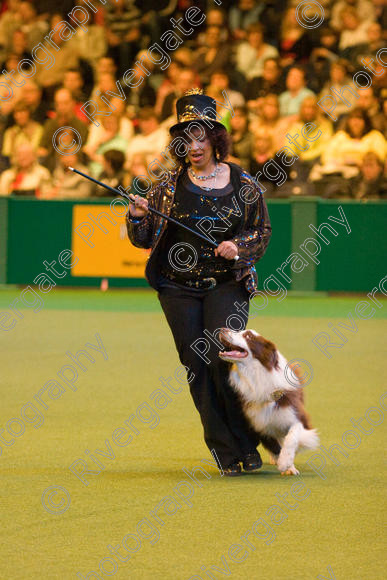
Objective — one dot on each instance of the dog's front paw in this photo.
(273, 459)
(285, 461)
(291, 471)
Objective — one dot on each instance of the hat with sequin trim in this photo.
(195, 106)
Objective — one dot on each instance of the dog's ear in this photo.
(262, 349)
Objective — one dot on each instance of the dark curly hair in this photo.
(217, 135)
(358, 114)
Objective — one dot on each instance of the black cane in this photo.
(151, 209)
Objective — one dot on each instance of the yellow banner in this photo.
(100, 241)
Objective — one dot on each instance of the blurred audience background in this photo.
(274, 70)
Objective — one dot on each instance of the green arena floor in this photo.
(325, 524)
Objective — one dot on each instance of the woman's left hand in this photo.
(227, 250)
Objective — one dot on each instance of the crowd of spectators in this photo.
(274, 71)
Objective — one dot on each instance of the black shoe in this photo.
(232, 470)
(252, 461)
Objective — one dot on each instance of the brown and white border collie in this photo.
(273, 406)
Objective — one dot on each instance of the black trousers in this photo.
(189, 313)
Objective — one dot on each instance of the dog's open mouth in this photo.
(232, 350)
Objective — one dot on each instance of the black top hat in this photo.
(195, 106)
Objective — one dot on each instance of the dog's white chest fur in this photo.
(264, 415)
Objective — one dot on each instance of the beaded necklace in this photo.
(206, 177)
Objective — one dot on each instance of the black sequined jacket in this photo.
(252, 240)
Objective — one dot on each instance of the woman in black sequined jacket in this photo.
(213, 290)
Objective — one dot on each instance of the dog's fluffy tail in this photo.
(309, 439)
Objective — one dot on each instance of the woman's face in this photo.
(356, 126)
(200, 154)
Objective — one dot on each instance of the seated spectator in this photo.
(123, 32)
(270, 121)
(9, 22)
(106, 64)
(328, 45)
(185, 81)
(226, 115)
(67, 184)
(320, 60)
(317, 74)
(91, 43)
(31, 94)
(241, 138)
(338, 79)
(251, 55)
(74, 82)
(23, 131)
(374, 38)
(371, 181)
(167, 85)
(246, 12)
(215, 17)
(213, 55)
(106, 81)
(353, 34)
(294, 42)
(11, 63)
(19, 45)
(346, 149)
(64, 117)
(144, 94)
(269, 83)
(219, 82)
(109, 138)
(151, 140)
(66, 57)
(262, 151)
(370, 104)
(33, 27)
(368, 49)
(309, 152)
(25, 176)
(97, 135)
(291, 99)
(126, 127)
(364, 10)
(113, 173)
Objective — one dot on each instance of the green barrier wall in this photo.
(358, 262)
(32, 231)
